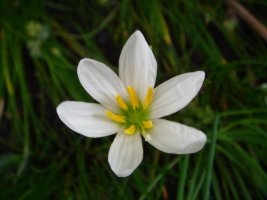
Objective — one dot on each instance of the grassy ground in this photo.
(41, 43)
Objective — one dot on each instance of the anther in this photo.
(130, 130)
(147, 124)
(121, 103)
(148, 98)
(133, 97)
(114, 117)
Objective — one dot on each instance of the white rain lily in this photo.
(131, 107)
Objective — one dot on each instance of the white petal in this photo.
(174, 94)
(101, 83)
(172, 137)
(137, 64)
(88, 119)
(125, 153)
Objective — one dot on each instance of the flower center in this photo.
(133, 115)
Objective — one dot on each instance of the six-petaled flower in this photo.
(131, 107)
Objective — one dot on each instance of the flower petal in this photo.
(101, 83)
(125, 153)
(137, 64)
(174, 94)
(172, 137)
(88, 119)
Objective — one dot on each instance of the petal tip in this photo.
(61, 110)
(204, 137)
(200, 143)
(84, 59)
(196, 145)
(201, 74)
(118, 172)
(138, 33)
(60, 107)
(81, 66)
(122, 172)
(200, 77)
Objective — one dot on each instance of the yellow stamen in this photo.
(147, 124)
(130, 130)
(121, 103)
(133, 97)
(145, 134)
(148, 98)
(114, 117)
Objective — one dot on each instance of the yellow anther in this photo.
(130, 130)
(133, 97)
(148, 99)
(114, 117)
(147, 124)
(121, 103)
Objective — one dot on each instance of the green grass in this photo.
(41, 43)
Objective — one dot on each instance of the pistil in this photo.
(134, 115)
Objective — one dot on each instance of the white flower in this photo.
(131, 107)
